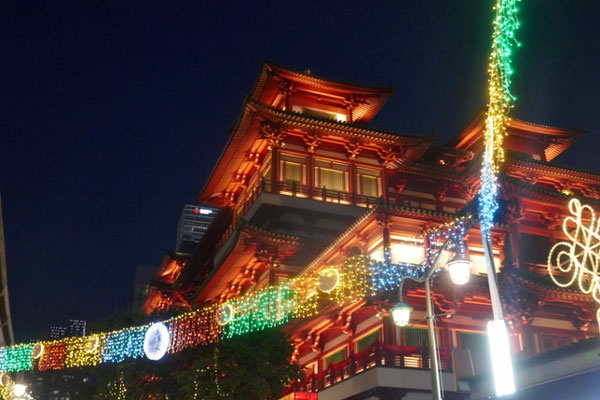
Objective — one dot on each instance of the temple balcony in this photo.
(302, 197)
(290, 194)
(376, 368)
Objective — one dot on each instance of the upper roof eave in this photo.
(353, 128)
(554, 168)
(399, 211)
(366, 100)
(269, 67)
(240, 243)
(238, 138)
(559, 139)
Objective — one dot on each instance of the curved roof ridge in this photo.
(341, 124)
(273, 65)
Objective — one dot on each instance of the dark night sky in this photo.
(112, 114)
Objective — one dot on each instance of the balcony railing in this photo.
(376, 355)
(293, 189)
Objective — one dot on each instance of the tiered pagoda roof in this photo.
(274, 79)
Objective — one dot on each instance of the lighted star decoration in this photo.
(576, 262)
(500, 102)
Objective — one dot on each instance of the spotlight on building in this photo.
(401, 313)
(460, 270)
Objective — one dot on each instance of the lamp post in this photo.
(460, 272)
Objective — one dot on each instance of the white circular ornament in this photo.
(328, 279)
(156, 341)
(38, 350)
(225, 314)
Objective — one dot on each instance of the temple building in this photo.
(304, 183)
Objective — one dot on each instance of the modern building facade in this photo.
(193, 224)
(305, 184)
(57, 332)
(77, 327)
(142, 279)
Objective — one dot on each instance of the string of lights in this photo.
(123, 344)
(82, 351)
(500, 102)
(356, 278)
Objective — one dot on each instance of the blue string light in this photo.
(128, 343)
(487, 199)
(387, 276)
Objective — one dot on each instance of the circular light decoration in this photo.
(328, 279)
(4, 379)
(38, 350)
(156, 341)
(91, 344)
(225, 314)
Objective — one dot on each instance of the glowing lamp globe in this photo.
(460, 270)
(19, 389)
(401, 313)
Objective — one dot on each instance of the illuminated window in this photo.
(336, 357)
(320, 113)
(476, 342)
(266, 175)
(368, 182)
(367, 340)
(407, 253)
(552, 342)
(479, 266)
(331, 175)
(292, 170)
(415, 336)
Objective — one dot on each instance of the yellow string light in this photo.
(500, 99)
(578, 260)
(82, 351)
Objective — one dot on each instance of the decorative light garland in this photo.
(6, 387)
(16, 358)
(500, 99)
(53, 356)
(388, 277)
(578, 260)
(123, 344)
(82, 351)
(355, 279)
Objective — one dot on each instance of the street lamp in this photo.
(460, 272)
(19, 389)
(401, 313)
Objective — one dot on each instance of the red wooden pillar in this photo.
(389, 331)
(275, 169)
(352, 177)
(310, 173)
(384, 184)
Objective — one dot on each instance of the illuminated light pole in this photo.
(460, 272)
(500, 99)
